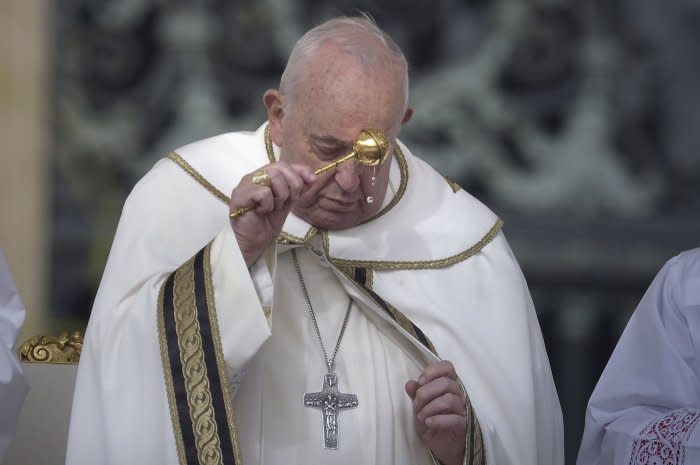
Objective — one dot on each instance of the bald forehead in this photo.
(332, 68)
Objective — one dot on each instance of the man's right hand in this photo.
(256, 229)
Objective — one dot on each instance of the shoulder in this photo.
(442, 201)
(231, 145)
(680, 278)
(686, 262)
(229, 151)
(216, 163)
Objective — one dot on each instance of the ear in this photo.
(407, 115)
(272, 98)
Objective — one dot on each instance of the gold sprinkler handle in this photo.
(337, 162)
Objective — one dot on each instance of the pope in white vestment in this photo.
(13, 386)
(645, 409)
(450, 272)
(196, 353)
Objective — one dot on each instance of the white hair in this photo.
(357, 36)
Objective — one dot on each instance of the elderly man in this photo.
(361, 314)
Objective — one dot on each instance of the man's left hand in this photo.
(440, 411)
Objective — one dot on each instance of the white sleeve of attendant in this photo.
(13, 387)
(644, 407)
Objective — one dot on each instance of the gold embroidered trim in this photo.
(453, 185)
(268, 145)
(403, 169)
(49, 349)
(475, 453)
(287, 239)
(478, 453)
(369, 278)
(349, 272)
(198, 177)
(416, 265)
(218, 351)
(169, 386)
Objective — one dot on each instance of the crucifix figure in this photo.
(330, 402)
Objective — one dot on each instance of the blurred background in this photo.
(575, 120)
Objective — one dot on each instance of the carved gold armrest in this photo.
(51, 349)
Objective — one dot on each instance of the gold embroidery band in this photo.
(287, 239)
(195, 373)
(476, 453)
(415, 265)
(198, 177)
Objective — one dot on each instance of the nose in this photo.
(347, 175)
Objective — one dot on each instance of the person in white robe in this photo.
(363, 315)
(13, 386)
(645, 408)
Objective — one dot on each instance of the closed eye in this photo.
(330, 153)
(329, 147)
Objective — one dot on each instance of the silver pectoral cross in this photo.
(330, 402)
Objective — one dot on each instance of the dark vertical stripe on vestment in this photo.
(360, 276)
(420, 335)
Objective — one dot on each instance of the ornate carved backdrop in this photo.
(572, 119)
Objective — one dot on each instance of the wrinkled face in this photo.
(320, 123)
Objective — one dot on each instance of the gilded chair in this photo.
(50, 365)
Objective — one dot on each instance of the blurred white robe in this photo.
(645, 408)
(13, 386)
(436, 255)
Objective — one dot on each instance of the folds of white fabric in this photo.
(13, 386)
